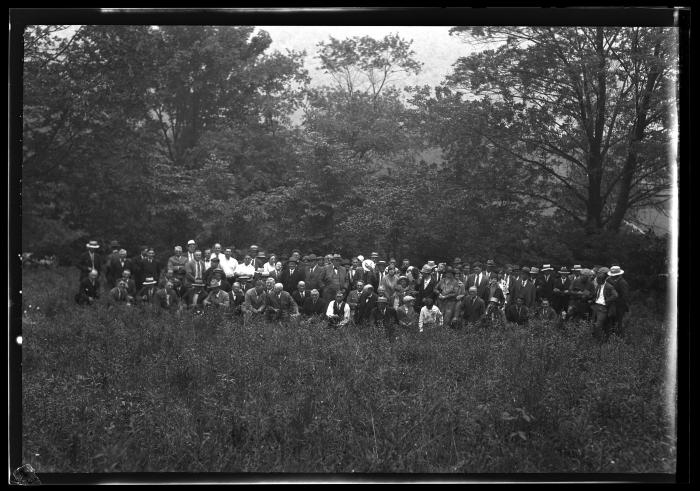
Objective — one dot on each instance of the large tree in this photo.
(578, 116)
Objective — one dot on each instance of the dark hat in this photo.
(312, 257)
(458, 260)
(114, 243)
(449, 269)
(477, 264)
(490, 262)
(293, 260)
(525, 269)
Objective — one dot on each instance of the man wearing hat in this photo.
(355, 273)
(209, 273)
(623, 294)
(407, 315)
(259, 261)
(546, 283)
(148, 291)
(292, 275)
(335, 279)
(560, 291)
(384, 317)
(217, 297)
(89, 290)
(425, 287)
(338, 311)
(602, 304)
(191, 247)
(90, 260)
(525, 288)
(490, 268)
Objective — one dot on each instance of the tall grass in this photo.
(126, 389)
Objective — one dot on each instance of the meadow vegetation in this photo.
(131, 390)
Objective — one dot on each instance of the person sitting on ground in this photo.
(280, 305)
(254, 303)
(546, 313)
(384, 317)
(300, 294)
(430, 316)
(338, 311)
(217, 297)
(354, 297)
(195, 295)
(472, 308)
(314, 304)
(166, 297)
(517, 313)
(148, 291)
(236, 299)
(119, 294)
(407, 315)
(365, 304)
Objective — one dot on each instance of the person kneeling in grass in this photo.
(517, 314)
(338, 311)
(217, 297)
(430, 316)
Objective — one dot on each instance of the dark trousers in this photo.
(601, 324)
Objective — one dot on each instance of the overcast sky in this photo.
(433, 45)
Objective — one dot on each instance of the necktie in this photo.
(199, 270)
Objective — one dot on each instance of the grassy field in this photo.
(124, 390)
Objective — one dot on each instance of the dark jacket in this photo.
(517, 314)
(86, 263)
(315, 278)
(296, 295)
(493, 292)
(311, 308)
(472, 309)
(527, 292)
(422, 292)
(290, 280)
(115, 269)
(379, 317)
(544, 287)
(365, 304)
(87, 290)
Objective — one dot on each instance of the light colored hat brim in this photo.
(93, 246)
(618, 273)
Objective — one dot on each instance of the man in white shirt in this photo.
(229, 264)
(246, 267)
(191, 247)
(338, 311)
(430, 316)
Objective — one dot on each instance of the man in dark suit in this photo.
(517, 313)
(151, 267)
(89, 260)
(300, 294)
(116, 267)
(546, 284)
(89, 290)
(479, 279)
(425, 287)
(355, 273)
(315, 273)
(365, 305)
(560, 291)
(335, 279)
(384, 317)
(314, 304)
(237, 297)
(524, 287)
(292, 275)
(473, 307)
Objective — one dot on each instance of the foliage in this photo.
(583, 111)
(109, 390)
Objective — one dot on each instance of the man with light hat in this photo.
(217, 297)
(148, 291)
(546, 283)
(407, 315)
(384, 317)
(619, 315)
(90, 259)
(602, 304)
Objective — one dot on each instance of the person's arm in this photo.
(421, 319)
(329, 310)
(438, 317)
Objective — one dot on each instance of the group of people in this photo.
(359, 291)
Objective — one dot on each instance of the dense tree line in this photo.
(547, 140)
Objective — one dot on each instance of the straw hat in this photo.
(93, 244)
(149, 281)
(615, 271)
